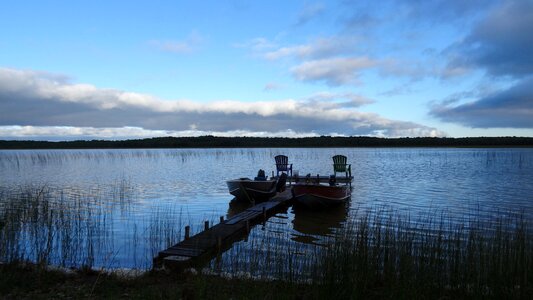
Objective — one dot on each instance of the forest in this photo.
(274, 142)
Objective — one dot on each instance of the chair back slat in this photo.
(282, 164)
(339, 163)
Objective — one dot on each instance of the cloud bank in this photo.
(39, 103)
(501, 45)
(61, 133)
(509, 108)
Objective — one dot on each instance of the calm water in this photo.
(123, 206)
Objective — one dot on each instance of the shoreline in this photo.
(208, 142)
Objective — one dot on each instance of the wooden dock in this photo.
(203, 246)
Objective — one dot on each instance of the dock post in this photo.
(221, 219)
(187, 232)
(219, 244)
(264, 214)
(247, 226)
(206, 225)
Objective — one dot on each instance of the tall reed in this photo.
(72, 228)
(377, 252)
(394, 255)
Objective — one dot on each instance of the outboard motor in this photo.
(280, 185)
(260, 175)
(308, 178)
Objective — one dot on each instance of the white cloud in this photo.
(319, 48)
(73, 133)
(340, 99)
(257, 44)
(334, 71)
(302, 50)
(60, 133)
(33, 99)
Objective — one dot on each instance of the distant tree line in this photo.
(260, 142)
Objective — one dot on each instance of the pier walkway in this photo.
(203, 246)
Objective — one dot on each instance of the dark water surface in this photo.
(118, 208)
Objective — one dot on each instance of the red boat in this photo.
(316, 196)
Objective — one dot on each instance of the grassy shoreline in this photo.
(377, 254)
(34, 282)
(372, 257)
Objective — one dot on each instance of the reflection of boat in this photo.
(316, 196)
(236, 206)
(322, 223)
(252, 190)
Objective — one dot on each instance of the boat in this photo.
(319, 196)
(252, 190)
(257, 190)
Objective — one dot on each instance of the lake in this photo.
(118, 208)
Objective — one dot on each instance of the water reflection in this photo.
(235, 206)
(310, 225)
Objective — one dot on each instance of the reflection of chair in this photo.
(282, 165)
(340, 165)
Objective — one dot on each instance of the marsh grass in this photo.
(378, 253)
(43, 228)
(397, 256)
(69, 228)
(267, 253)
(165, 230)
(385, 254)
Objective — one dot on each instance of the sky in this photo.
(114, 70)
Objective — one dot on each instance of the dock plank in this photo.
(182, 252)
(222, 235)
(265, 205)
(243, 218)
(246, 215)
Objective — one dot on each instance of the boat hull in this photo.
(320, 196)
(252, 190)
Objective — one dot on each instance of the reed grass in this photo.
(385, 254)
(396, 256)
(74, 229)
(377, 253)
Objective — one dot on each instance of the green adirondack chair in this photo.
(340, 165)
(282, 165)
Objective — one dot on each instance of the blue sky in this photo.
(135, 69)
